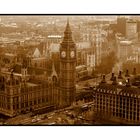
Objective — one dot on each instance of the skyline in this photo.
(56, 71)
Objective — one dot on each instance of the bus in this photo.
(81, 72)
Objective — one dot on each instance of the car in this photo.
(52, 114)
(84, 106)
(66, 111)
(52, 123)
(1, 123)
(38, 119)
(45, 117)
(80, 117)
(34, 120)
(49, 117)
(59, 119)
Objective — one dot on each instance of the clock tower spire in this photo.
(67, 68)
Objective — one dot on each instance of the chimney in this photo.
(103, 80)
(128, 83)
(127, 73)
(120, 75)
(112, 77)
(114, 81)
(134, 71)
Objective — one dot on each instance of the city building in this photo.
(83, 49)
(119, 103)
(23, 92)
(131, 29)
(125, 50)
(121, 25)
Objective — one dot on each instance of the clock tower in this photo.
(67, 68)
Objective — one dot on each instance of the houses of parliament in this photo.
(22, 92)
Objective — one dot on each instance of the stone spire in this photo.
(67, 40)
(53, 71)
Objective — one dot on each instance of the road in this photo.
(58, 117)
(91, 82)
(63, 116)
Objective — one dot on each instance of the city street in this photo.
(67, 116)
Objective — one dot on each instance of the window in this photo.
(22, 105)
(123, 103)
(43, 100)
(8, 106)
(120, 115)
(26, 104)
(35, 102)
(131, 115)
(134, 115)
(17, 106)
(113, 113)
(127, 115)
(137, 116)
(30, 103)
(14, 107)
(39, 101)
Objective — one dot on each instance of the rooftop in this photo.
(125, 42)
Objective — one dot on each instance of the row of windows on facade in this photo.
(120, 98)
(38, 89)
(67, 65)
(118, 104)
(114, 100)
(109, 109)
(125, 115)
(25, 104)
(29, 96)
(134, 108)
(114, 91)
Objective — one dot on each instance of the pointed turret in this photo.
(67, 68)
(67, 40)
(53, 71)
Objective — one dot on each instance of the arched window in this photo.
(54, 79)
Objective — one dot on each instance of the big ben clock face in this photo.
(63, 54)
(72, 54)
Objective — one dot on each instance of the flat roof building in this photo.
(117, 103)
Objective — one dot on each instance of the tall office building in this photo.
(131, 29)
(121, 25)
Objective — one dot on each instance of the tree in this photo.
(107, 63)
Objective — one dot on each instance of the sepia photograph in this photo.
(69, 70)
